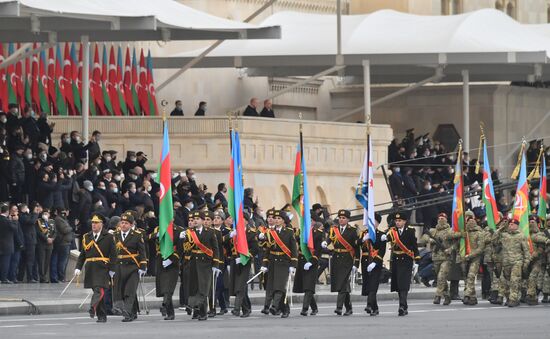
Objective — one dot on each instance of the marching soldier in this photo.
(240, 271)
(280, 260)
(130, 266)
(344, 261)
(515, 260)
(167, 271)
(204, 262)
(262, 236)
(540, 242)
(306, 272)
(218, 224)
(184, 270)
(208, 222)
(99, 254)
(476, 242)
(443, 241)
(371, 265)
(404, 254)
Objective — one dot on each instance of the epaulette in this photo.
(253, 229)
(353, 226)
(156, 230)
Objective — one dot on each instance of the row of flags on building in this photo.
(51, 81)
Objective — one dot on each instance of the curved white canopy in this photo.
(117, 20)
(489, 43)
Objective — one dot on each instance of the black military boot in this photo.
(374, 313)
(466, 300)
(163, 310)
(493, 297)
(349, 311)
(499, 300)
(314, 311)
(304, 312)
(437, 300)
(338, 311)
(472, 301)
(532, 300)
(545, 298)
(401, 312)
(368, 309)
(513, 303)
(265, 310)
(447, 300)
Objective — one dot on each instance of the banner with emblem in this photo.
(166, 209)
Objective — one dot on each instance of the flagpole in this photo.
(481, 141)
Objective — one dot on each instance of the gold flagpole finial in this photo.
(163, 103)
(515, 173)
(300, 116)
(481, 140)
(535, 173)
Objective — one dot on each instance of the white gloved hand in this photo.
(415, 266)
(228, 268)
(366, 237)
(371, 266)
(384, 237)
(263, 269)
(77, 272)
(291, 270)
(237, 261)
(182, 235)
(307, 265)
(354, 269)
(216, 270)
(233, 234)
(111, 274)
(166, 263)
(324, 244)
(141, 273)
(261, 236)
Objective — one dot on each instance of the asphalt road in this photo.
(425, 320)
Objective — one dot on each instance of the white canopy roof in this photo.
(489, 43)
(118, 20)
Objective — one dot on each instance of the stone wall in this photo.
(334, 152)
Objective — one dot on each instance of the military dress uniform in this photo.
(131, 259)
(404, 252)
(306, 272)
(345, 259)
(240, 273)
(45, 231)
(280, 254)
(204, 257)
(167, 271)
(372, 252)
(213, 295)
(99, 255)
(263, 245)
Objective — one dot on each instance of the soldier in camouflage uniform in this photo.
(540, 241)
(443, 245)
(476, 240)
(545, 272)
(492, 264)
(515, 260)
(497, 258)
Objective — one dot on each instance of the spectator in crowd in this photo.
(27, 220)
(61, 245)
(17, 170)
(267, 112)
(17, 245)
(201, 110)
(220, 197)
(178, 109)
(8, 231)
(251, 109)
(94, 151)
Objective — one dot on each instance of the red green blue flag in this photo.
(521, 202)
(543, 204)
(488, 192)
(166, 210)
(458, 203)
(300, 202)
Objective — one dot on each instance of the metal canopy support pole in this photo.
(199, 57)
(339, 58)
(85, 86)
(366, 90)
(466, 108)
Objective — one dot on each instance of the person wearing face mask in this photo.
(45, 230)
(47, 187)
(61, 245)
(84, 208)
(94, 151)
(178, 109)
(17, 172)
(396, 183)
(65, 145)
(201, 110)
(30, 128)
(77, 146)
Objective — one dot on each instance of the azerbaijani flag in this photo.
(236, 197)
(488, 192)
(364, 193)
(521, 202)
(543, 204)
(458, 204)
(166, 210)
(300, 202)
